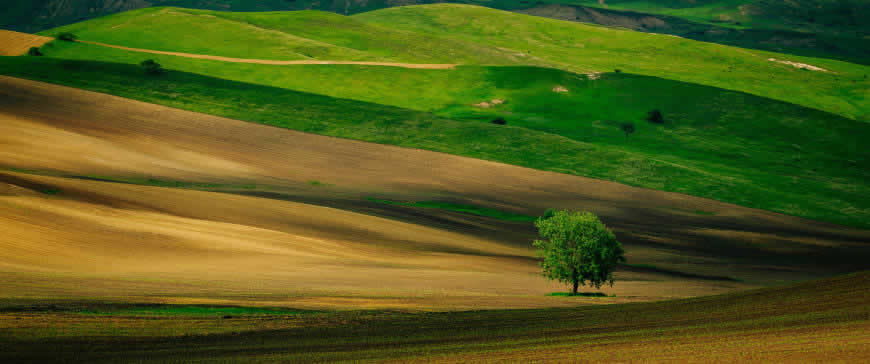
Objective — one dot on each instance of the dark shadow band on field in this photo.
(651, 269)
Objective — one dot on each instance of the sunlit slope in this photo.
(449, 33)
(680, 245)
(587, 48)
(277, 36)
(16, 44)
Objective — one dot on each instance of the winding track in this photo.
(274, 62)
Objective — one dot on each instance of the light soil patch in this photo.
(798, 65)
(75, 238)
(488, 104)
(16, 44)
(560, 89)
(280, 63)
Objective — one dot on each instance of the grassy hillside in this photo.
(825, 319)
(585, 48)
(277, 36)
(475, 36)
(847, 47)
(843, 17)
(709, 145)
(816, 28)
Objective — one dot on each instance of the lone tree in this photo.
(577, 248)
(499, 121)
(151, 67)
(67, 36)
(627, 128)
(34, 51)
(655, 116)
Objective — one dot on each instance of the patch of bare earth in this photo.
(16, 44)
(798, 65)
(488, 104)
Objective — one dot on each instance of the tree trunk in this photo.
(575, 286)
(575, 276)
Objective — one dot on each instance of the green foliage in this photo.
(577, 248)
(151, 67)
(627, 128)
(34, 51)
(655, 117)
(499, 121)
(67, 36)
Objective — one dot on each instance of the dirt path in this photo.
(280, 63)
(16, 44)
(264, 249)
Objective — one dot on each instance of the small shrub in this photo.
(67, 36)
(151, 67)
(617, 70)
(627, 128)
(655, 117)
(499, 121)
(34, 51)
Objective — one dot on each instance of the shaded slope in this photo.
(820, 43)
(821, 320)
(50, 128)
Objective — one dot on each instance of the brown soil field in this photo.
(290, 242)
(819, 321)
(16, 44)
(280, 63)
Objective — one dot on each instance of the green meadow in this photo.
(471, 35)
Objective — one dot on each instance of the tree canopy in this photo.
(577, 248)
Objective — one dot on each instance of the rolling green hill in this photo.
(584, 48)
(840, 17)
(475, 35)
(824, 42)
(818, 28)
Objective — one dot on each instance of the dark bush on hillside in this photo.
(69, 37)
(655, 117)
(34, 51)
(627, 128)
(617, 70)
(151, 67)
(499, 121)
